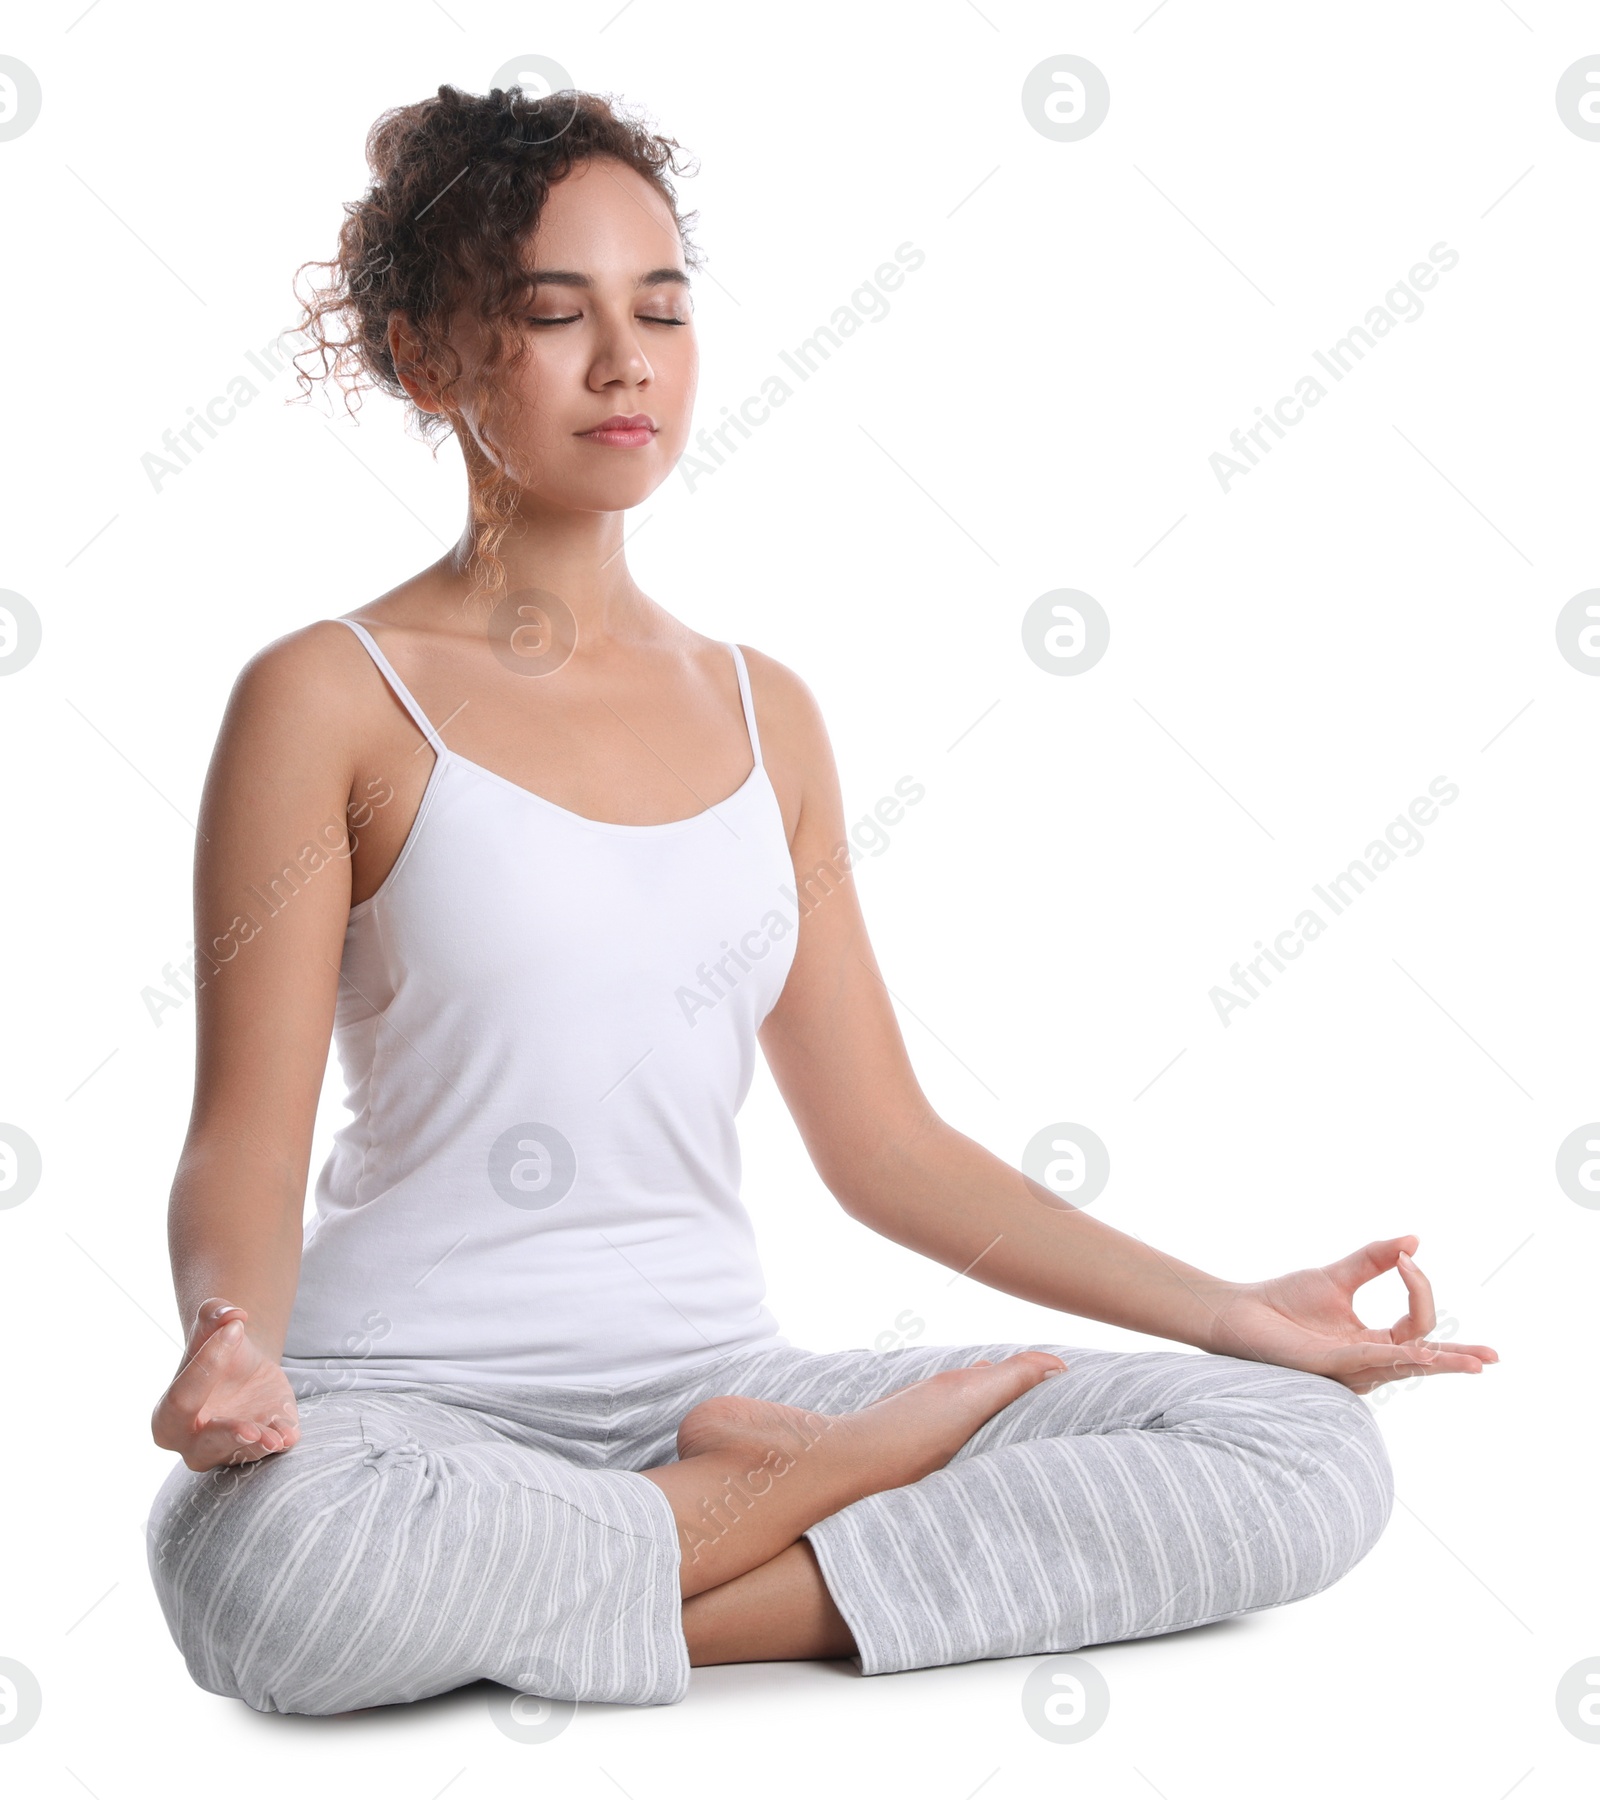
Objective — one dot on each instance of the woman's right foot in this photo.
(752, 1476)
(917, 1429)
(836, 1458)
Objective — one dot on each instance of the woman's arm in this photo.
(835, 1049)
(272, 896)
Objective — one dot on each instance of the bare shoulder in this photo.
(314, 681)
(300, 712)
(786, 709)
(313, 665)
(794, 742)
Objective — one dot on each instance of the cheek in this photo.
(544, 392)
(677, 379)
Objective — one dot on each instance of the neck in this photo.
(577, 556)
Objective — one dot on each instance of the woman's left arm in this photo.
(835, 1049)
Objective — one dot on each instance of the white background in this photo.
(1371, 608)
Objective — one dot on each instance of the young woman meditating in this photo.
(515, 1408)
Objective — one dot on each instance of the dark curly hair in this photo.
(459, 180)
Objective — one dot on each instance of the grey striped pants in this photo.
(417, 1539)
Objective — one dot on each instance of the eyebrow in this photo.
(574, 278)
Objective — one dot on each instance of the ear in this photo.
(405, 350)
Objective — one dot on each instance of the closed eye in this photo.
(571, 318)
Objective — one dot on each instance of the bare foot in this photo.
(773, 1471)
(896, 1440)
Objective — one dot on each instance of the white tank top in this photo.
(546, 1024)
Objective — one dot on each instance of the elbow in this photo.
(871, 1177)
(842, 1175)
(852, 1196)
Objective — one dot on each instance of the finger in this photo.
(284, 1418)
(1346, 1361)
(209, 1319)
(220, 1443)
(275, 1427)
(275, 1433)
(1483, 1352)
(1404, 1364)
(250, 1434)
(1420, 1317)
(1368, 1263)
(192, 1385)
(1372, 1363)
(208, 1316)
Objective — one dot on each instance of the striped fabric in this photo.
(417, 1539)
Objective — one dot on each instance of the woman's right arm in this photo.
(272, 898)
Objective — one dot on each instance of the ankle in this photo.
(778, 1611)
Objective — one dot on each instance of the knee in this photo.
(1359, 1479)
(1320, 1457)
(200, 1556)
(243, 1566)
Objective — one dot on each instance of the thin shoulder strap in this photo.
(401, 691)
(748, 704)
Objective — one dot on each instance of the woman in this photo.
(526, 844)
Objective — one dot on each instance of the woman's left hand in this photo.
(1307, 1320)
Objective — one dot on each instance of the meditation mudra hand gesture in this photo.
(1307, 1320)
(230, 1401)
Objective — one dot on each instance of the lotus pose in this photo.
(546, 864)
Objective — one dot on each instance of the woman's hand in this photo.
(229, 1402)
(1307, 1321)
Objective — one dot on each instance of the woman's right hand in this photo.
(229, 1402)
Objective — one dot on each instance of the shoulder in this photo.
(311, 693)
(311, 669)
(786, 709)
(794, 741)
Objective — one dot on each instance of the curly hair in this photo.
(459, 181)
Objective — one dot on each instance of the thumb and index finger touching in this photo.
(1420, 1317)
(1372, 1260)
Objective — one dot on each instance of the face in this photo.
(608, 334)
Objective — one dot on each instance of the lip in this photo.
(624, 430)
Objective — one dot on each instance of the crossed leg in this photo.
(779, 1612)
(774, 1470)
(419, 1539)
(1138, 1494)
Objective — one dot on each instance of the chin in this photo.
(613, 493)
